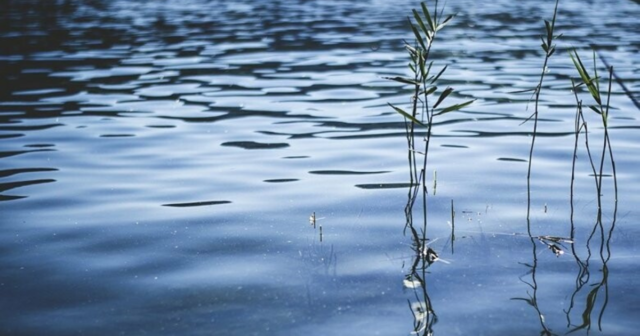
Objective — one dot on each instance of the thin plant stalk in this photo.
(549, 49)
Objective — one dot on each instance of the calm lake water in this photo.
(159, 161)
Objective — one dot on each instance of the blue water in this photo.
(159, 162)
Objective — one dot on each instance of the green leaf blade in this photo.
(427, 15)
(455, 107)
(445, 22)
(439, 74)
(595, 109)
(403, 80)
(417, 34)
(442, 97)
(407, 115)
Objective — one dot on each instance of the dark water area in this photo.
(160, 161)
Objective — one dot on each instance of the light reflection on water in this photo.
(159, 162)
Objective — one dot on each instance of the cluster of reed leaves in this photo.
(425, 102)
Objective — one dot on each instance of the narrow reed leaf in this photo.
(430, 90)
(427, 15)
(595, 109)
(426, 74)
(417, 34)
(523, 91)
(403, 80)
(584, 75)
(407, 115)
(416, 15)
(595, 71)
(445, 22)
(455, 107)
(413, 51)
(551, 51)
(413, 69)
(439, 74)
(549, 29)
(577, 62)
(609, 91)
(443, 95)
(421, 62)
(555, 13)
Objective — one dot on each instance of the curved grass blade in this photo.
(416, 15)
(442, 97)
(595, 109)
(455, 107)
(403, 80)
(429, 90)
(445, 22)
(417, 34)
(523, 91)
(439, 74)
(584, 75)
(407, 115)
(427, 15)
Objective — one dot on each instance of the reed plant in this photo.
(602, 108)
(426, 101)
(549, 49)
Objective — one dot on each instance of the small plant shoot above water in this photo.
(427, 101)
(424, 83)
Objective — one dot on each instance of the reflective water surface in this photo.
(159, 161)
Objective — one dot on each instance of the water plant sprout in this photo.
(549, 49)
(425, 29)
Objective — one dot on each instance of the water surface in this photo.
(159, 162)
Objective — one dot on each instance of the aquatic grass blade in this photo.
(445, 22)
(426, 74)
(429, 91)
(403, 80)
(407, 115)
(422, 62)
(416, 15)
(439, 74)
(442, 97)
(584, 75)
(595, 72)
(595, 109)
(549, 29)
(523, 91)
(552, 50)
(427, 15)
(455, 107)
(417, 34)
(544, 45)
